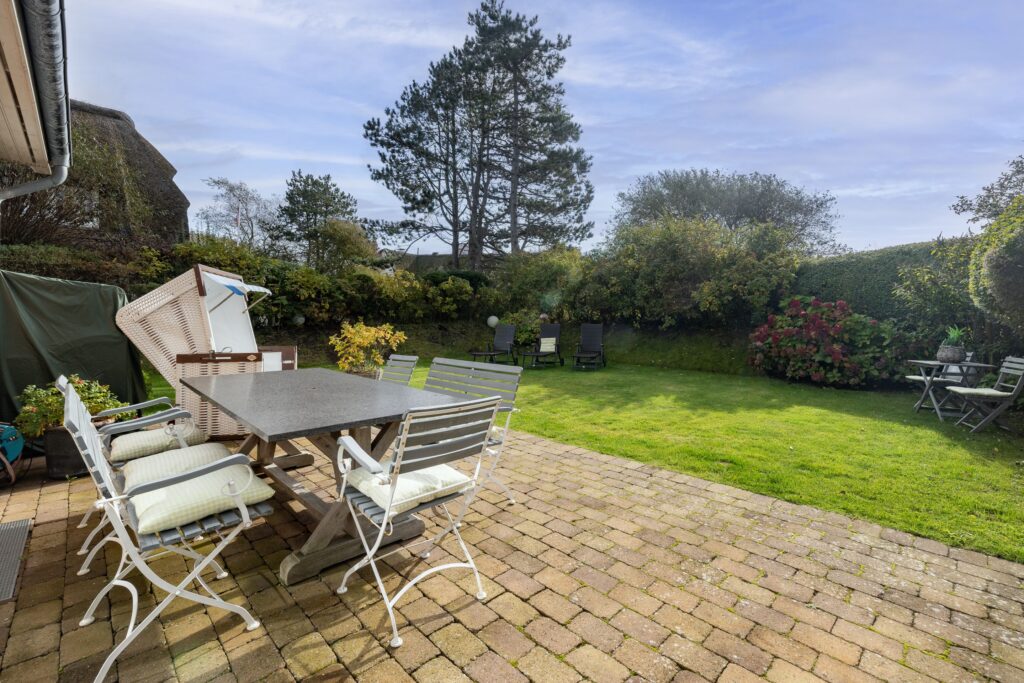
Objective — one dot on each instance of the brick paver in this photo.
(606, 570)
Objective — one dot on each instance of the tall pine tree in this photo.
(484, 154)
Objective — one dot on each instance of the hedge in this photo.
(863, 279)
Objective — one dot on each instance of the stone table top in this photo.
(290, 404)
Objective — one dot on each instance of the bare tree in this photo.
(239, 212)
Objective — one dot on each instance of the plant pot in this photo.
(369, 374)
(62, 457)
(951, 354)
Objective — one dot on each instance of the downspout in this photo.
(47, 46)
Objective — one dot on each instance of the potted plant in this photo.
(42, 415)
(363, 349)
(952, 349)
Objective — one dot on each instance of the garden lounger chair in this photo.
(419, 476)
(548, 349)
(989, 404)
(474, 380)
(590, 351)
(164, 516)
(398, 369)
(502, 349)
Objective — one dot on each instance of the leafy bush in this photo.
(475, 279)
(527, 322)
(864, 279)
(826, 343)
(450, 298)
(545, 281)
(676, 270)
(362, 348)
(43, 407)
(997, 267)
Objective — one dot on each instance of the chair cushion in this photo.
(152, 467)
(151, 441)
(981, 393)
(548, 345)
(414, 488)
(191, 500)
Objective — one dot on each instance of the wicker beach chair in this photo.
(196, 325)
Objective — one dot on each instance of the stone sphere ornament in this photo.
(492, 321)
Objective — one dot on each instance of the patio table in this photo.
(316, 404)
(933, 369)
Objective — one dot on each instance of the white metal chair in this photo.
(398, 369)
(989, 403)
(179, 439)
(471, 379)
(167, 515)
(416, 478)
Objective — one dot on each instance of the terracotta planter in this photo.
(951, 354)
(62, 457)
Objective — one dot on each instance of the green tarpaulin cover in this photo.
(50, 327)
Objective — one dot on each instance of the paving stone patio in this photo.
(606, 570)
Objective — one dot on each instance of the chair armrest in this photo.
(349, 446)
(162, 401)
(237, 459)
(162, 417)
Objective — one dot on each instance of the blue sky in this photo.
(895, 106)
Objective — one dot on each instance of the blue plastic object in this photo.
(11, 443)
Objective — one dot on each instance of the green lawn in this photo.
(866, 454)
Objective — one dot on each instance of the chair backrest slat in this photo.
(504, 336)
(78, 421)
(1011, 375)
(591, 337)
(398, 369)
(438, 436)
(471, 379)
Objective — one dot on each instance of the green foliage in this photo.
(686, 270)
(827, 343)
(43, 407)
(476, 279)
(997, 267)
(310, 204)
(995, 198)
(527, 322)
(934, 295)
(733, 200)
(955, 336)
(547, 281)
(450, 298)
(864, 279)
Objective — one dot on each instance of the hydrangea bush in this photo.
(827, 343)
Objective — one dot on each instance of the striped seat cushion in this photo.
(151, 468)
(414, 488)
(151, 441)
(548, 345)
(192, 500)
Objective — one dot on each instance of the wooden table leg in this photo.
(334, 539)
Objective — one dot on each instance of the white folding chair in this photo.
(470, 379)
(418, 477)
(167, 515)
(398, 369)
(178, 452)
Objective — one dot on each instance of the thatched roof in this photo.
(155, 172)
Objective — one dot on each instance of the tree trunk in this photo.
(513, 191)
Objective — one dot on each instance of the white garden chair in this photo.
(398, 369)
(418, 477)
(155, 517)
(179, 445)
(468, 379)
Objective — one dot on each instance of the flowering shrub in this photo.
(43, 407)
(826, 343)
(361, 348)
